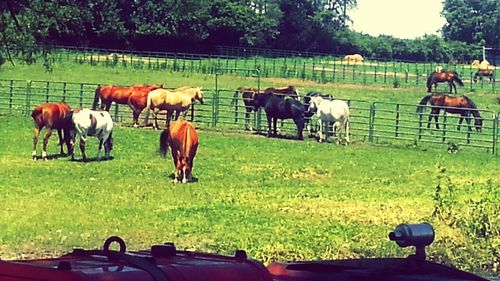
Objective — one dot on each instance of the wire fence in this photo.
(323, 69)
(370, 121)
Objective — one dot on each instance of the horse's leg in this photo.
(436, 120)
(269, 128)
(61, 142)
(45, 142)
(155, 114)
(299, 123)
(346, 130)
(101, 141)
(82, 149)
(320, 130)
(275, 121)
(135, 117)
(35, 141)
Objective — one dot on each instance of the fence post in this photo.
(444, 126)
(397, 120)
(496, 117)
(28, 97)
(371, 122)
(64, 92)
(47, 91)
(81, 95)
(11, 93)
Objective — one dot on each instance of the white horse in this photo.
(92, 123)
(331, 111)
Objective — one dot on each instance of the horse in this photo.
(138, 101)
(91, 123)
(182, 138)
(178, 101)
(481, 73)
(353, 58)
(51, 116)
(451, 104)
(443, 76)
(280, 108)
(307, 113)
(108, 94)
(335, 111)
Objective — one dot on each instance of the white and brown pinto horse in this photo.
(182, 138)
(331, 111)
(178, 100)
(91, 123)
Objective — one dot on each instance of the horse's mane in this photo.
(472, 104)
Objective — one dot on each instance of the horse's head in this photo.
(198, 95)
(259, 100)
(478, 123)
(314, 103)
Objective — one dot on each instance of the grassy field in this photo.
(278, 199)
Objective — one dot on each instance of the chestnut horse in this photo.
(248, 95)
(443, 76)
(178, 101)
(451, 104)
(138, 101)
(182, 138)
(108, 94)
(51, 116)
(481, 73)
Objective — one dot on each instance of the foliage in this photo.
(475, 22)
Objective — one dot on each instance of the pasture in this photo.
(278, 199)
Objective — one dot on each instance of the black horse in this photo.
(308, 113)
(279, 108)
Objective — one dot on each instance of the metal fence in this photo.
(373, 122)
(322, 69)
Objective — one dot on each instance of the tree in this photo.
(472, 21)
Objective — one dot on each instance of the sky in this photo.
(405, 19)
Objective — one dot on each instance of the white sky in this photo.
(406, 19)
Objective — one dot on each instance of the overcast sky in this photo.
(406, 19)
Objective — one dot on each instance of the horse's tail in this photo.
(96, 97)
(148, 107)
(164, 137)
(423, 102)
(429, 82)
(457, 79)
(235, 96)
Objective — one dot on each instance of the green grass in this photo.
(278, 199)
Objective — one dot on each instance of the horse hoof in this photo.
(34, 158)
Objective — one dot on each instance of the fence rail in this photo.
(370, 121)
(318, 68)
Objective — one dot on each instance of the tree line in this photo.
(29, 27)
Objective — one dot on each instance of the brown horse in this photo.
(443, 76)
(451, 104)
(481, 73)
(178, 101)
(138, 101)
(182, 138)
(108, 94)
(248, 95)
(51, 116)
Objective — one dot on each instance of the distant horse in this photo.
(91, 123)
(353, 58)
(335, 111)
(51, 116)
(444, 76)
(451, 104)
(108, 94)
(279, 108)
(182, 138)
(248, 95)
(178, 101)
(309, 114)
(138, 101)
(481, 73)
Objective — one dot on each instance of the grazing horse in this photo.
(308, 114)
(178, 101)
(279, 108)
(182, 138)
(108, 94)
(443, 76)
(353, 58)
(91, 123)
(489, 72)
(334, 111)
(455, 105)
(51, 116)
